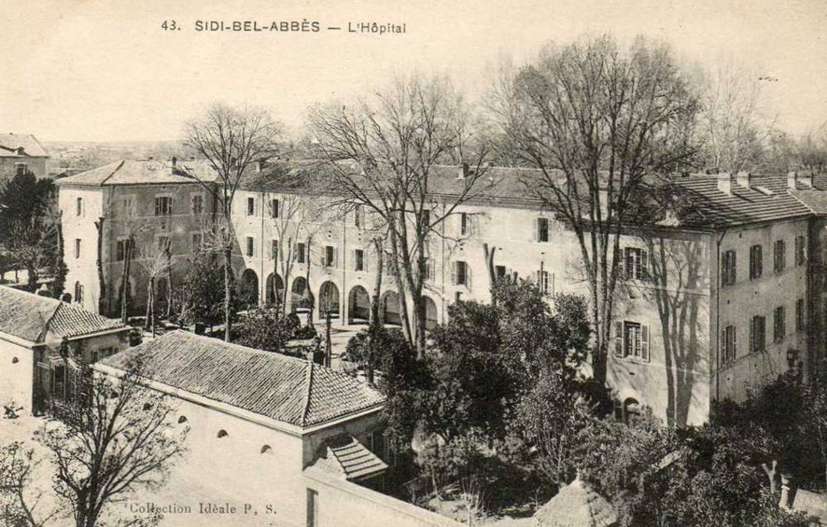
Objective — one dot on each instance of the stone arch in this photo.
(329, 299)
(248, 289)
(431, 313)
(300, 294)
(274, 289)
(358, 305)
(389, 308)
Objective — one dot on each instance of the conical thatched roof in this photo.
(576, 505)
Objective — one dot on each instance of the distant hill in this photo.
(77, 156)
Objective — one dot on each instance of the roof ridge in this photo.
(48, 323)
(120, 165)
(309, 392)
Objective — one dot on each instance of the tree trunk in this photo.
(127, 264)
(169, 284)
(489, 263)
(310, 298)
(228, 261)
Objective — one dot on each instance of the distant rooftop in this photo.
(33, 317)
(21, 145)
(130, 172)
(286, 389)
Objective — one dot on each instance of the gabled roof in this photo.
(346, 457)
(33, 317)
(286, 389)
(11, 145)
(129, 172)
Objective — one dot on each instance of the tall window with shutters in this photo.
(274, 250)
(163, 206)
(543, 281)
(800, 321)
(636, 262)
(780, 256)
(251, 246)
(758, 334)
(274, 208)
(729, 344)
(632, 340)
(358, 260)
(197, 204)
(251, 206)
(728, 268)
(756, 262)
(301, 250)
(779, 324)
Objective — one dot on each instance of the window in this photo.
(127, 207)
(312, 508)
(163, 243)
(728, 268)
(464, 224)
(196, 241)
(430, 270)
(359, 260)
(632, 340)
(120, 249)
(78, 292)
(21, 168)
(460, 275)
(542, 230)
(197, 204)
(800, 250)
(274, 250)
(329, 258)
(77, 248)
(636, 263)
(542, 281)
(300, 253)
(757, 334)
(426, 219)
(251, 206)
(251, 246)
(274, 208)
(779, 324)
(500, 271)
(780, 256)
(79, 207)
(756, 262)
(359, 216)
(95, 356)
(729, 351)
(799, 315)
(163, 206)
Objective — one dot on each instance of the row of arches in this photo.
(358, 299)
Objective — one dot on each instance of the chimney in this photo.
(791, 179)
(172, 163)
(725, 183)
(259, 166)
(805, 178)
(463, 171)
(743, 178)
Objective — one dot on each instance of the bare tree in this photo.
(156, 262)
(232, 140)
(384, 154)
(595, 120)
(112, 438)
(732, 129)
(19, 499)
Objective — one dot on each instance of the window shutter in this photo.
(644, 264)
(454, 273)
(644, 342)
(467, 276)
(621, 265)
(752, 334)
(618, 339)
(537, 229)
(365, 259)
(629, 264)
(335, 257)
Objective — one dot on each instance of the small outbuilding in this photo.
(576, 505)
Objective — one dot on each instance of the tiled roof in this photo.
(129, 172)
(32, 317)
(345, 456)
(283, 388)
(10, 143)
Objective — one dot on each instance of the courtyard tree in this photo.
(595, 120)
(112, 438)
(19, 496)
(383, 153)
(201, 298)
(232, 141)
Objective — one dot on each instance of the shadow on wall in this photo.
(676, 267)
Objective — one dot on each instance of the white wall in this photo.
(17, 364)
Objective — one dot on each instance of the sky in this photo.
(92, 70)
